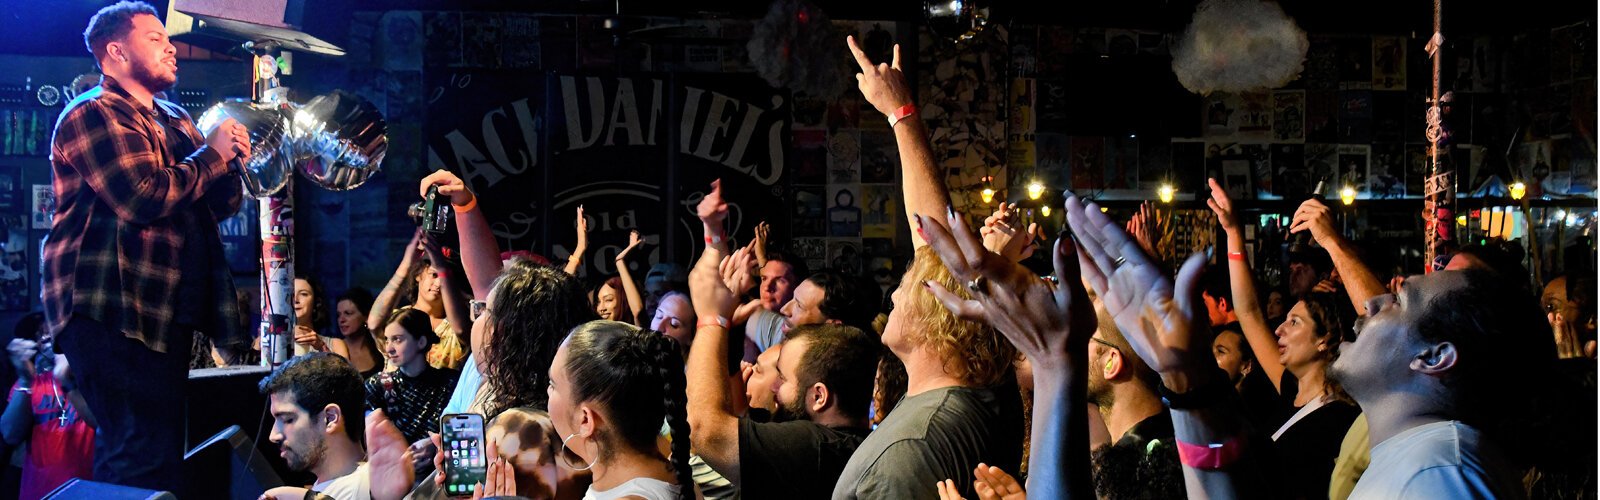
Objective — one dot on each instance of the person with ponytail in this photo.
(611, 386)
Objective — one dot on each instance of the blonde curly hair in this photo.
(973, 352)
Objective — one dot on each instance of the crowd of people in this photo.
(746, 374)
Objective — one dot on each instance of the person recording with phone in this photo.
(134, 264)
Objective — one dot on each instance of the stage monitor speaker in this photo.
(218, 398)
(228, 466)
(83, 488)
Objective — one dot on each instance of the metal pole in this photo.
(277, 237)
(1440, 190)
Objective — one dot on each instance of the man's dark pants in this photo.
(137, 398)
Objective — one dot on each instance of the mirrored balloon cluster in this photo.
(337, 140)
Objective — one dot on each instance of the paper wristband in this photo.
(901, 114)
(1211, 456)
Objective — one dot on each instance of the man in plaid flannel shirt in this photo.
(134, 262)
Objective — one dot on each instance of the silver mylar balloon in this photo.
(340, 140)
(271, 159)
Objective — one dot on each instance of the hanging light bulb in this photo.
(988, 195)
(1518, 189)
(1045, 210)
(1165, 193)
(1035, 190)
(1347, 195)
(1461, 220)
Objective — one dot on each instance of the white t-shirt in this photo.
(352, 486)
(1439, 460)
(644, 487)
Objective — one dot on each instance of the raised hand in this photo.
(390, 468)
(708, 287)
(449, 185)
(22, 352)
(994, 484)
(1316, 217)
(1162, 318)
(583, 229)
(1222, 206)
(633, 242)
(1001, 236)
(1051, 324)
(712, 210)
(739, 270)
(763, 232)
(883, 85)
(948, 490)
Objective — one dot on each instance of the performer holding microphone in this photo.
(133, 264)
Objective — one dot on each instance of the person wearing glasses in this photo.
(411, 392)
(1141, 455)
(519, 314)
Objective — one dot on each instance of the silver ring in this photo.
(1118, 263)
(976, 285)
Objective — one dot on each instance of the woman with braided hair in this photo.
(611, 386)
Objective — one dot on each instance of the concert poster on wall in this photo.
(44, 205)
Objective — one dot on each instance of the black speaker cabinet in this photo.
(82, 488)
(228, 466)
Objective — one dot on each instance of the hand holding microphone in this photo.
(232, 140)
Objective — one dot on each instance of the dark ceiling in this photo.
(56, 27)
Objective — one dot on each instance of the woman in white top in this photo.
(611, 385)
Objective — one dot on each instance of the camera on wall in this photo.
(432, 216)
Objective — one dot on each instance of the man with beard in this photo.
(824, 389)
(316, 405)
(1142, 457)
(134, 262)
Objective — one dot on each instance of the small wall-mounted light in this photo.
(1165, 193)
(1044, 210)
(1461, 220)
(1347, 195)
(1035, 190)
(1518, 190)
(988, 195)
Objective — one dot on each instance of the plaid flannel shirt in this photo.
(129, 193)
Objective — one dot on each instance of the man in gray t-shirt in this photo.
(933, 436)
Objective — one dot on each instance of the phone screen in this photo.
(464, 461)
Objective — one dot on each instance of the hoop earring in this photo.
(568, 463)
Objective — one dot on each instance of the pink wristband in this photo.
(901, 114)
(1211, 456)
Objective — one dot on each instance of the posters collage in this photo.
(1355, 117)
(14, 238)
(846, 199)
